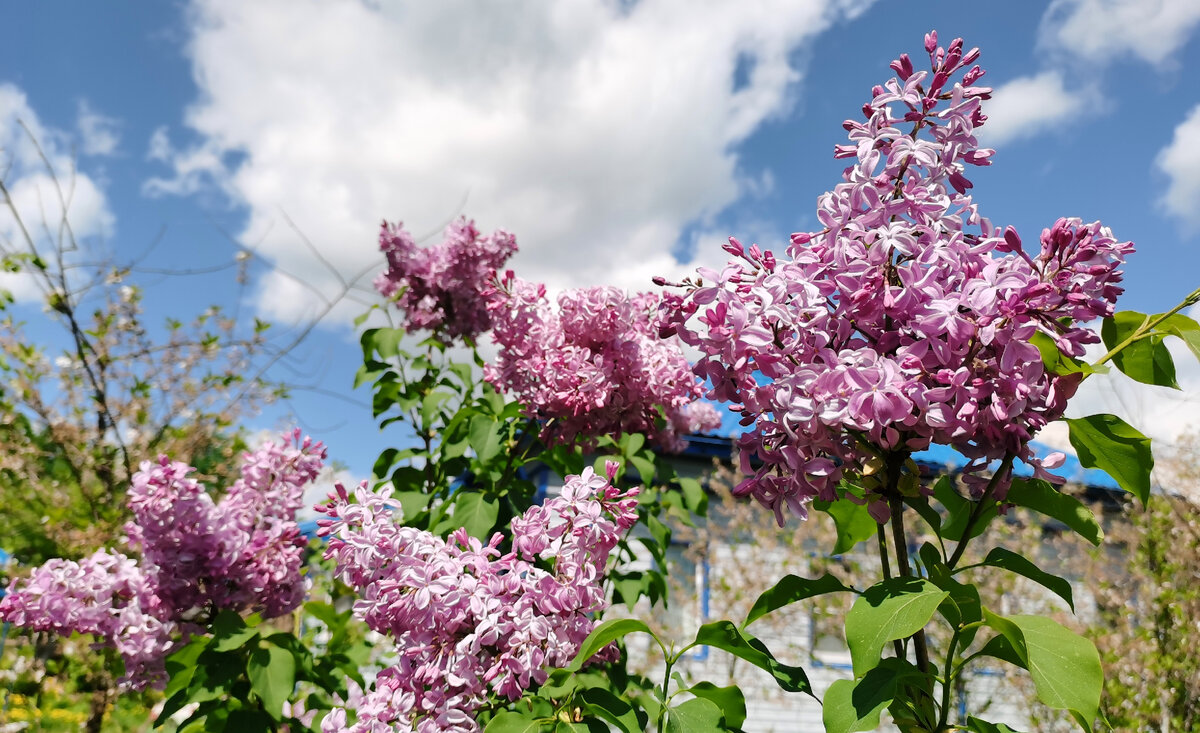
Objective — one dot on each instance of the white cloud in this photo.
(98, 134)
(596, 131)
(24, 140)
(1180, 160)
(1028, 105)
(1099, 31)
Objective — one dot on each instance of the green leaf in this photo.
(485, 437)
(386, 341)
(851, 706)
(724, 635)
(604, 704)
(430, 407)
(1065, 666)
(999, 647)
(975, 725)
(694, 496)
(1186, 329)
(1059, 363)
(631, 443)
(962, 606)
(229, 632)
(959, 511)
(1041, 497)
(1011, 561)
(476, 513)
(603, 635)
(181, 665)
(854, 524)
(694, 716)
(644, 468)
(1108, 443)
(412, 503)
(248, 721)
(510, 722)
(730, 700)
(789, 590)
(272, 673)
(1147, 359)
(892, 609)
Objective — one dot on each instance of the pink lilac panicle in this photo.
(441, 288)
(468, 621)
(907, 319)
(198, 556)
(594, 366)
(105, 595)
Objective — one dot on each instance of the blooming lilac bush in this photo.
(471, 621)
(198, 556)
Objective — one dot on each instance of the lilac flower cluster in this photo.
(907, 320)
(198, 556)
(595, 366)
(106, 595)
(471, 622)
(441, 288)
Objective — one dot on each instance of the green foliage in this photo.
(1107, 442)
(889, 610)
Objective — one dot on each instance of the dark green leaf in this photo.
(1147, 359)
(1041, 497)
(604, 704)
(229, 632)
(181, 665)
(697, 715)
(975, 725)
(892, 609)
(789, 590)
(603, 635)
(1011, 561)
(724, 635)
(959, 511)
(1108, 443)
(730, 700)
(272, 672)
(851, 706)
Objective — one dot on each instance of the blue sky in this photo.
(617, 140)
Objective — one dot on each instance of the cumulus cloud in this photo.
(45, 218)
(1180, 161)
(1099, 31)
(1028, 105)
(98, 134)
(596, 131)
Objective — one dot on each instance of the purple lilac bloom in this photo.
(470, 622)
(594, 366)
(242, 553)
(907, 319)
(441, 288)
